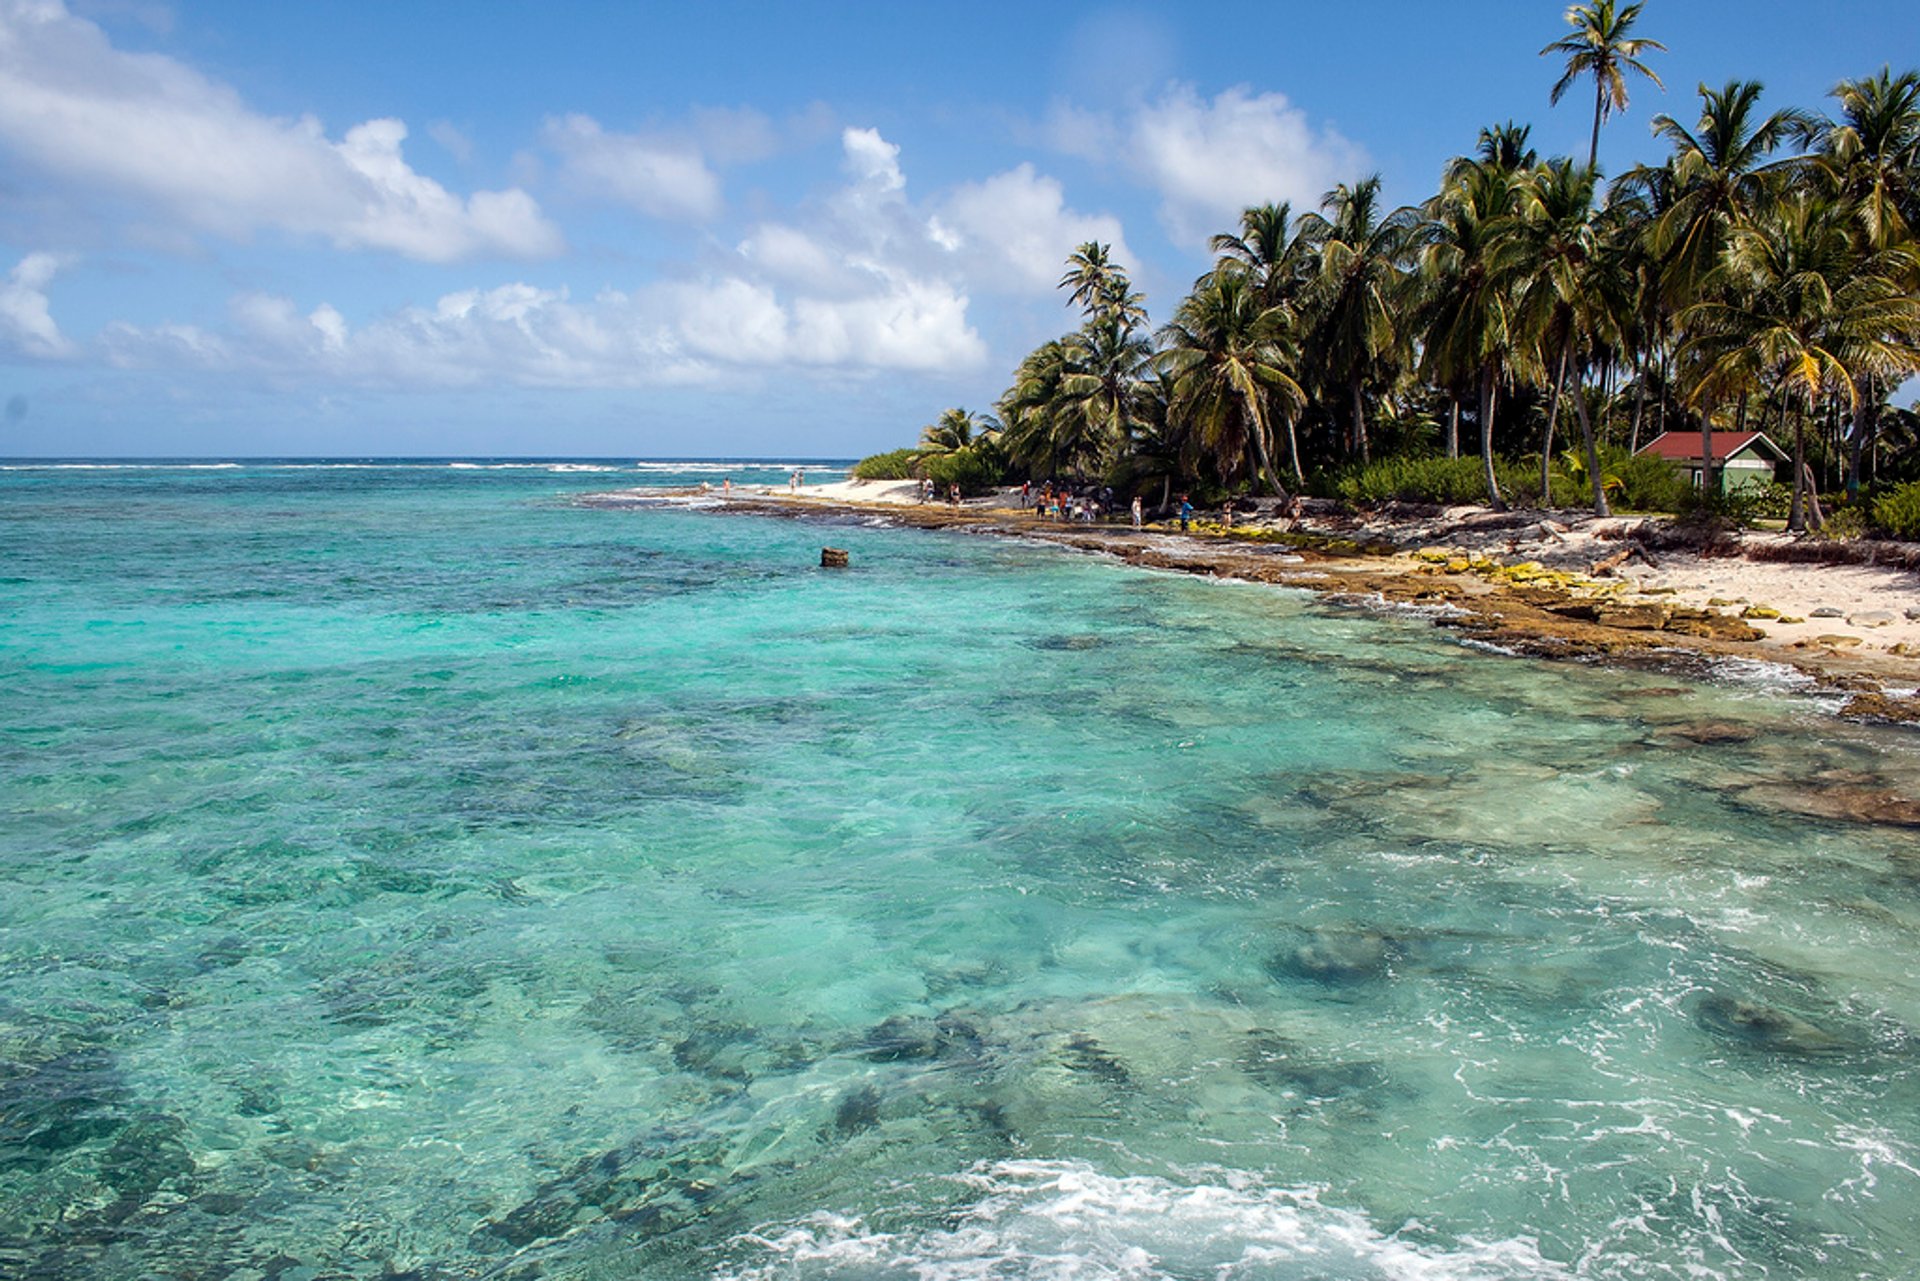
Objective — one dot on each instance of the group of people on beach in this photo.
(1059, 502)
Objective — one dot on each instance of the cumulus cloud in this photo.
(26, 322)
(861, 280)
(872, 161)
(1211, 158)
(152, 128)
(1015, 228)
(659, 176)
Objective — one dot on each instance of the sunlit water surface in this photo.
(418, 871)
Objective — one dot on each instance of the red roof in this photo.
(1684, 446)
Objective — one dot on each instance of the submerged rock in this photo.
(1709, 733)
(1762, 1027)
(1847, 802)
(53, 1106)
(1335, 959)
(1287, 1068)
(858, 1111)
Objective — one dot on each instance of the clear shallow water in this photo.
(416, 870)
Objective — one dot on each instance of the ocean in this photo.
(429, 870)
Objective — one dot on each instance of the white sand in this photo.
(1862, 597)
(1847, 594)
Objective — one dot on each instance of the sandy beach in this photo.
(1545, 583)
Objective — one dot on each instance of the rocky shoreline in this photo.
(1479, 577)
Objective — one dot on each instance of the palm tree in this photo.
(1720, 180)
(956, 429)
(1805, 311)
(1870, 156)
(1270, 250)
(1100, 286)
(1599, 46)
(1569, 299)
(1467, 267)
(1227, 365)
(1357, 288)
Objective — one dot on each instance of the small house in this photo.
(1741, 458)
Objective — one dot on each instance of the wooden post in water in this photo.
(833, 558)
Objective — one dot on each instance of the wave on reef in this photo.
(1063, 1219)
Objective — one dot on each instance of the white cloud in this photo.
(26, 323)
(862, 280)
(1016, 230)
(659, 176)
(873, 162)
(519, 334)
(1211, 158)
(150, 127)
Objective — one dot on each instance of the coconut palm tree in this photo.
(1224, 355)
(1356, 293)
(1576, 294)
(1871, 153)
(1467, 266)
(1100, 286)
(956, 429)
(1870, 156)
(1720, 180)
(1270, 250)
(1599, 46)
(1804, 310)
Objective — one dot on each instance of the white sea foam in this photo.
(1065, 1221)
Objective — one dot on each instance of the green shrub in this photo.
(1715, 512)
(1768, 500)
(1849, 520)
(896, 464)
(1896, 513)
(1444, 480)
(975, 470)
(1647, 483)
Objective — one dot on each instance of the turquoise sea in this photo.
(424, 870)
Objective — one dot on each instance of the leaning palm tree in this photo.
(1227, 365)
(1356, 295)
(1599, 46)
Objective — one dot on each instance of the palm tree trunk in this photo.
(1487, 392)
(1795, 518)
(1856, 442)
(1599, 106)
(1359, 421)
(1706, 448)
(1553, 419)
(1453, 429)
(1293, 455)
(1263, 467)
(1639, 401)
(1593, 454)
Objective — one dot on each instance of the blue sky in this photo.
(716, 229)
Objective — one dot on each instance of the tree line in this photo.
(1763, 275)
